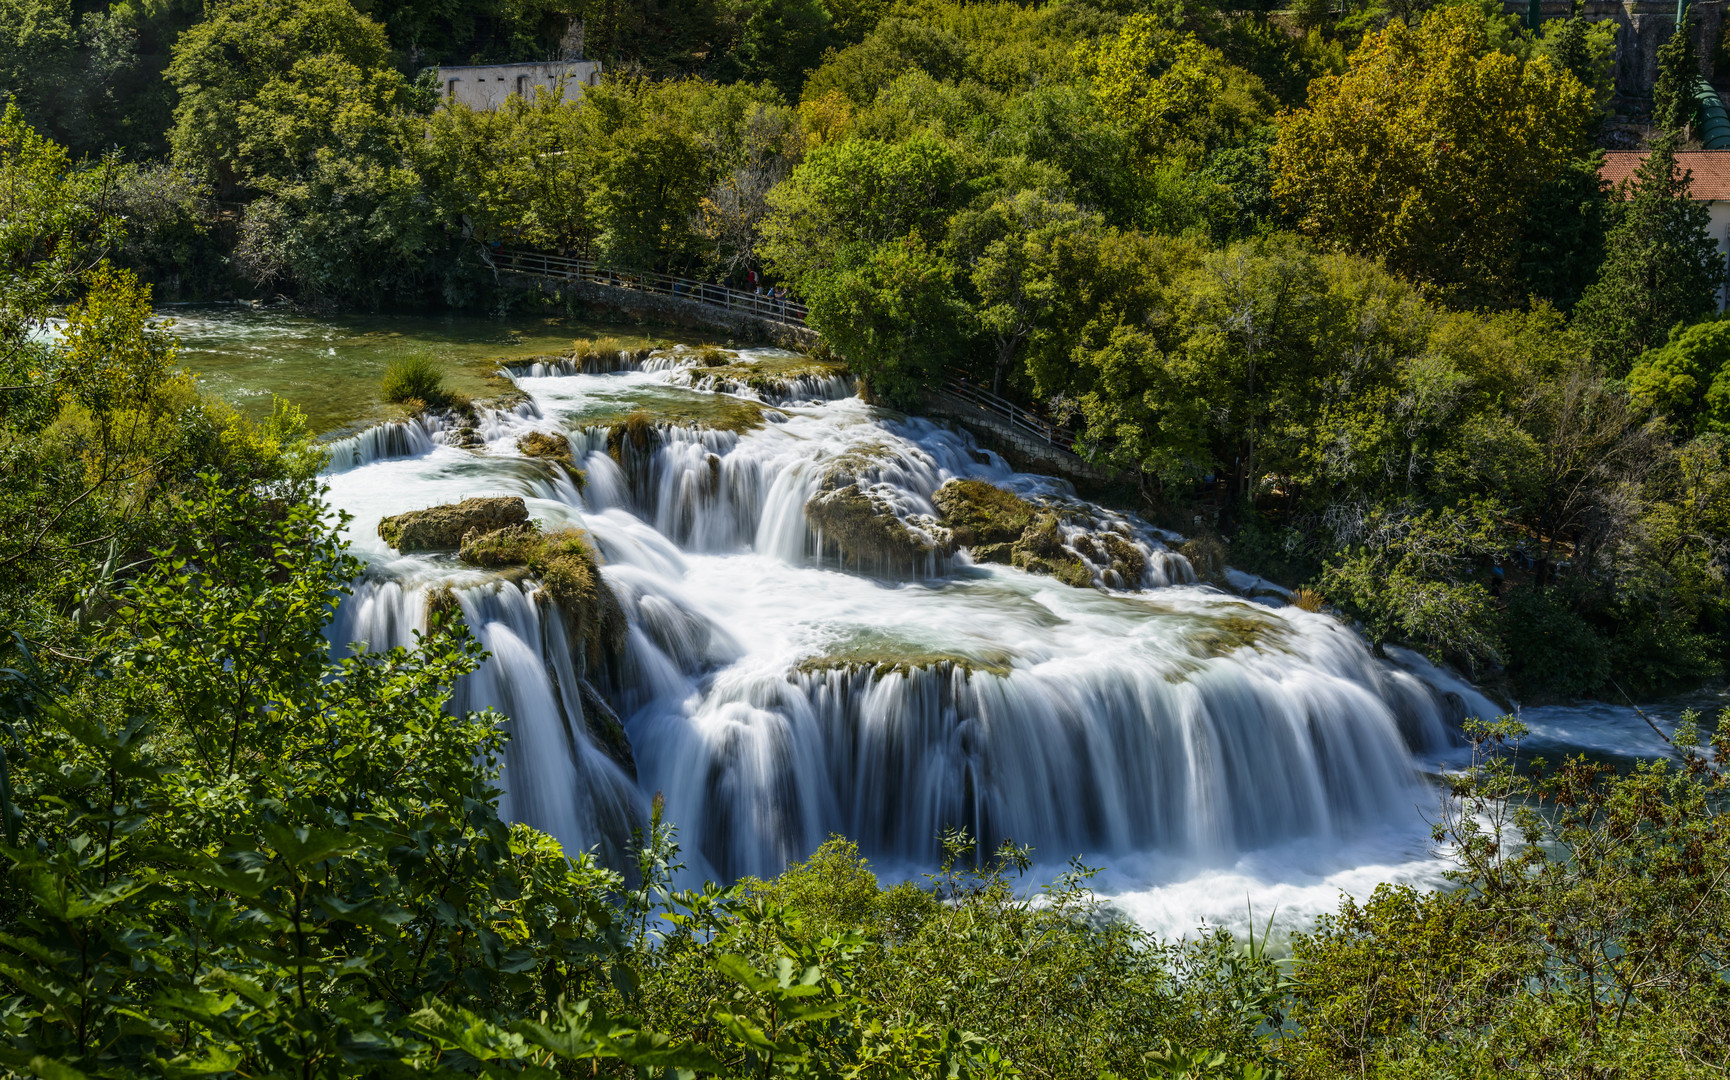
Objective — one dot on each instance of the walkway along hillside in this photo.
(665, 298)
(1026, 439)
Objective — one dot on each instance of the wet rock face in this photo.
(1002, 527)
(984, 517)
(540, 444)
(442, 528)
(1041, 551)
(570, 578)
(866, 534)
(555, 448)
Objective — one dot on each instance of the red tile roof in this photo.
(1710, 170)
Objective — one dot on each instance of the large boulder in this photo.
(442, 528)
(865, 532)
(984, 517)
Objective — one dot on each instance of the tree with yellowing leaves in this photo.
(1430, 151)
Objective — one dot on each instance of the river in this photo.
(1220, 757)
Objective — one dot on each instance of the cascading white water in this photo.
(554, 774)
(773, 699)
(406, 438)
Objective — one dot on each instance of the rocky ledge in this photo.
(444, 528)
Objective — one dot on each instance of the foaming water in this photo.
(1178, 733)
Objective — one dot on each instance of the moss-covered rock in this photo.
(549, 445)
(442, 609)
(768, 377)
(443, 528)
(634, 432)
(865, 533)
(717, 412)
(1000, 526)
(569, 575)
(1206, 555)
(553, 447)
(1127, 560)
(984, 517)
(1243, 628)
(1041, 550)
(882, 664)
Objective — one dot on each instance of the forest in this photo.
(1337, 288)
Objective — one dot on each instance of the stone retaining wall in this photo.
(613, 304)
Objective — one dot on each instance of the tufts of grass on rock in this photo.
(553, 447)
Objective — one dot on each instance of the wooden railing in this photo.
(564, 268)
(1035, 426)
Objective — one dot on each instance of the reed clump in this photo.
(603, 354)
(416, 381)
(1308, 600)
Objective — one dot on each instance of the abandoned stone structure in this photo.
(487, 86)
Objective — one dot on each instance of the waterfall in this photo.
(406, 438)
(554, 775)
(775, 694)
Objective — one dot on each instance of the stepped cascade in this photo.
(787, 670)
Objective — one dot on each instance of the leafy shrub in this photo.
(1553, 653)
(1651, 656)
(416, 377)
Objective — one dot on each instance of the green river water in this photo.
(330, 366)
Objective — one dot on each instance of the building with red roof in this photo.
(1708, 182)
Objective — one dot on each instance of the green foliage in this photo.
(1660, 266)
(1562, 237)
(1408, 578)
(855, 231)
(214, 877)
(1556, 654)
(263, 85)
(1673, 104)
(1582, 938)
(782, 41)
(1360, 169)
(417, 377)
(1685, 380)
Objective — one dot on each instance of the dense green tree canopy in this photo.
(263, 86)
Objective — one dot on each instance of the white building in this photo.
(486, 86)
(1709, 182)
